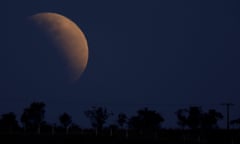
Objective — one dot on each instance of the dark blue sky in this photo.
(164, 55)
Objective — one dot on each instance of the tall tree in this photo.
(194, 117)
(210, 119)
(33, 116)
(66, 120)
(146, 120)
(236, 122)
(98, 117)
(8, 122)
(182, 117)
(122, 119)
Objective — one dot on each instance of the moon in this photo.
(57, 49)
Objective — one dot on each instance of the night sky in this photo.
(164, 55)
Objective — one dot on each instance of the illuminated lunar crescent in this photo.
(61, 43)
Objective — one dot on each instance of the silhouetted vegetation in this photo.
(8, 123)
(147, 121)
(210, 119)
(98, 117)
(122, 119)
(65, 119)
(195, 118)
(196, 125)
(32, 117)
(236, 122)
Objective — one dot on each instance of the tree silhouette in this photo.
(8, 122)
(65, 119)
(98, 117)
(182, 117)
(194, 117)
(236, 122)
(210, 119)
(122, 119)
(190, 117)
(146, 120)
(33, 116)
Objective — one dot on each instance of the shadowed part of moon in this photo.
(66, 38)
(52, 52)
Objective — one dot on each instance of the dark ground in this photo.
(160, 137)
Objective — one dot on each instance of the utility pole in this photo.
(228, 111)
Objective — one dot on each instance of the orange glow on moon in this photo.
(66, 38)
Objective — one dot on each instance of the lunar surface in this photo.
(63, 37)
(52, 54)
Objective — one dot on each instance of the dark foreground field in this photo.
(161, 137)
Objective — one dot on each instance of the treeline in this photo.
(146, 121)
